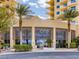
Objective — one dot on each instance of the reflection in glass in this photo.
(26, 35)
(41, 35)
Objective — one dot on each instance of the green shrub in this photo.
(77, 40)
(49, 42)
(73, 45)
(22, 48)
(4, 45)
(0, 45)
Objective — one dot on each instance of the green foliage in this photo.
(6, 15)
(5, 19)
(0, 45)
(73, 45)
(49, 42)
(22, 48)
(6, 45)
(22, 10)
(69, 15)
(77, 40)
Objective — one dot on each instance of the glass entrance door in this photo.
(61, 44)
(61, 38)
(42, 35)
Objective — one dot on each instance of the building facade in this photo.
(36, 31)
(57, 7)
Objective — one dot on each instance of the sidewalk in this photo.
(55, 50)
(41, 50)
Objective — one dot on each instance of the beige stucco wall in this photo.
(36, 22)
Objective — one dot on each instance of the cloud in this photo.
(22, 1)
(33, 4)
(25, 1)
(39, 3)
(44, 17)
(42, 3)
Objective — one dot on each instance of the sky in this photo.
(39, 7)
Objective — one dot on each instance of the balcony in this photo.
(64, 8)
(64, 2)
(51, 2)
(51, 8)
(51, 13)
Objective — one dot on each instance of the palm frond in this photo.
(68, 15)
(5, 19)
(22, 9)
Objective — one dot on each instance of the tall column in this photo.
(54, 38)
(11, 38)
(33, 37)
(21, 37)
(69, 39)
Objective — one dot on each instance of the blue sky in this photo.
(37, 6)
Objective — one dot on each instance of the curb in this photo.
(10, 53)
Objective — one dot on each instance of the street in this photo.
(43, 55)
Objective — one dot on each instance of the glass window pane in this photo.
(42, 34)
(26, 35)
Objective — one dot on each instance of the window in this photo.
(58, 6)
(72, 1)
(65, 4)
(58, 12)
(26, 35)
(73, 8)
(7, 37)
(58, 0)
(42, 34)
(73, 35)
(61, 34)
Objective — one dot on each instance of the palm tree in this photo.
(69, 15)
(21, 10)
(5, 21)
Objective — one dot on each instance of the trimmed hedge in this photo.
(73, 45)
(49, 42)
(4, 45)
(22, 48)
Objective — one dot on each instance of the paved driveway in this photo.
(43, 55)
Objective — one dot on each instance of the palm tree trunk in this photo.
(20, 37)
(69, 33)
(1, 41)
(69, 25)
(20, 26)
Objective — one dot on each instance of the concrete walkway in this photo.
(55, 50)
(41, 50)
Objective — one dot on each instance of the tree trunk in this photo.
(1, 41)
(69, 25)
(69, 33)
(20, 27)
(20, 37)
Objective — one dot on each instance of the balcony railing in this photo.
(51, 8)
(51, 13)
